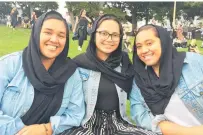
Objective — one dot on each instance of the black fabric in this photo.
(48, 85)
(90, 61)
(14, 18)
(158, 91)
(107, 98)
(82, 28)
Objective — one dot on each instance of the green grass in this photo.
(12, 41)
(16, 40)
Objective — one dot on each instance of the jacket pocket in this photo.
(11, 93)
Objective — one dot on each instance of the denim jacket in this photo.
(189, 90)
(91, 81)
(17, 93)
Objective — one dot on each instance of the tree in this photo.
(92, 9)
(5, 8)
(165, 10)
(39, 7)
(192, 9)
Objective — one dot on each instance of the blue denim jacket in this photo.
(189, 90)
(17, 93)
(91, 81)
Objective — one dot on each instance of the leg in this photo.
(80, 41)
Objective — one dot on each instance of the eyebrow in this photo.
(109, 32)
(144, 41)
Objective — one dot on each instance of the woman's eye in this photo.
(48, 33)
(138, 47)
(61, 36)
(104, 33)
(116, 35)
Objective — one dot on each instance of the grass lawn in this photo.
(12, 41)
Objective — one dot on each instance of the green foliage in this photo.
(165, 10)
(5, 8)
(93, 9)
(192, 9)
(41, 7)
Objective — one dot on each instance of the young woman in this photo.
(81, 28)
(107, 80)
(33, 18)
(168, 87)
(40, 88)
(14, 15)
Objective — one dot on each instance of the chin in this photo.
(108, 51)
(149, 63)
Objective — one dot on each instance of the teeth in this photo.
(50, 47)
(147, 57)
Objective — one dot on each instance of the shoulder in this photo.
(193, 65)
(10, 64)
(192, 57)
(84, 73)
(12, 57)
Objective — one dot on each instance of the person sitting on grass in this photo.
(167, 94)
(107, 75)
(40, 88)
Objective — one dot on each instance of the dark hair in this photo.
(111, 17)
(148, 27)
(57, 17)
(81, 12)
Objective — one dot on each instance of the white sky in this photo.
(61, 8)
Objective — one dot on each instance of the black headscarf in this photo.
(90, 61)
(158, 91)
(48, 85)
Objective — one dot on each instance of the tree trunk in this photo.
(31, 9)
(134, 22)
(171, 21)
(147, 13)
(147, 17)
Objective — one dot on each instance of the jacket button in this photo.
(121, 90)
(121, 104)
(201, 93)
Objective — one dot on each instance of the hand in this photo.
(37, 129)
(196, 50)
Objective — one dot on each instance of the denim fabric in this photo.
(17, 94)
(189, 90)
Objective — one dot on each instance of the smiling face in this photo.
(148, 47)
(52, 38)
(105, 45)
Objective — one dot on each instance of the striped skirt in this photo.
(111, 123)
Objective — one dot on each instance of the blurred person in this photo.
(8, 22)
(33, 18)
(81, 28)
(14, 14)
(68, 20)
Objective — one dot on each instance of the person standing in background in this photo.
(68, 20)
(33, 18)
(81, 28)
(14, 14)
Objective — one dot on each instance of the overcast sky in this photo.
(61, 8)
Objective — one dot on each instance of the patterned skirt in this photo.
(107, 123)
